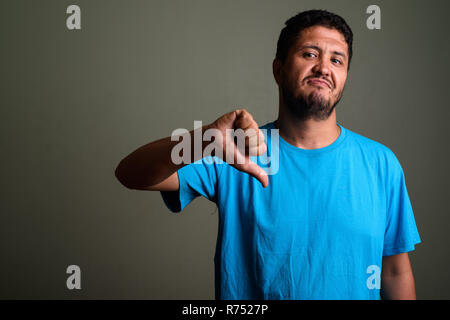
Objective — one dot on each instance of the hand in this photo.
(238, 155)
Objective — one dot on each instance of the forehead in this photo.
(322, 37)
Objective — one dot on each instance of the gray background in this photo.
(74, 103)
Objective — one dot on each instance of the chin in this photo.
(318, 95)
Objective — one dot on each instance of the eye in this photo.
(309, 55)
(336, 61)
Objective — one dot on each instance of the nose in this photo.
(322, 67)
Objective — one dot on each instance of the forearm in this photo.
(398, 286)
(153, 163)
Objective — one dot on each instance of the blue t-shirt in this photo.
(320, 228)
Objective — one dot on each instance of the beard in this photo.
(314, 106)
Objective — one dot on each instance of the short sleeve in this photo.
(401, 234)
(195, 179)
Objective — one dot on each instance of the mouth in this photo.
(319, 82)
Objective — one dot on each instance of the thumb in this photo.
(254, 170)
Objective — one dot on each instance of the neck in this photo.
(310, 133)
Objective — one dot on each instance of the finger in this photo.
(226, 121)
(243, 163)
(260, 140)
(250, 142)
(251, 137)
(255, 143)
(244, 120)
(257, 150)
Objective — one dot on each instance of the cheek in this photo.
(341, 78)
(300, 69)
(293, 79)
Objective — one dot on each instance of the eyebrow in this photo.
(338, 53)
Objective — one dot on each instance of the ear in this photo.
(276, 69)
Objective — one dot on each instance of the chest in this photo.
(333, 203)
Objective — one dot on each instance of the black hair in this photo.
(310, 18)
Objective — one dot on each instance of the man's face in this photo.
(313, 76)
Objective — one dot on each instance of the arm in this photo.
(397, 280)
(151, 168)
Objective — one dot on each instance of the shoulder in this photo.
(268, 125)
(267, 129)
(375, 150)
